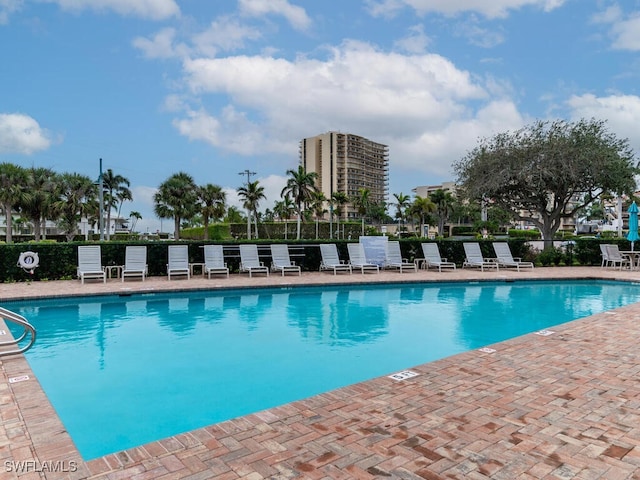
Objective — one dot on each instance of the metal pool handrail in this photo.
(10, 316)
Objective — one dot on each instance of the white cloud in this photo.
(294, 14)
(624, 31)
(151, 9)
(622, 113)
(425, 108)
(435, 150)
(22, 134)
(479, 36)
(7, 7)
(416, 41)
(161, 45)
(626, 34)
(354, 82)
(611, 14)
(487, 8)
(225, 33)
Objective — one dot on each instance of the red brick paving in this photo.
(563, 406)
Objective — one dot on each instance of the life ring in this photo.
(28, 261)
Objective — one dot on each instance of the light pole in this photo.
(248, 173)
(101, 202)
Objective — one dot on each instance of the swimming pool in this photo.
(123, 371)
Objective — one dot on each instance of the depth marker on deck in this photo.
(545, 333)
(487, 350)
(21, 378)
(404, 375)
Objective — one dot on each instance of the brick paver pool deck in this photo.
(561, 406)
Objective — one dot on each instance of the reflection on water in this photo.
(141, 358)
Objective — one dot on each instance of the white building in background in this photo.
(425, 190)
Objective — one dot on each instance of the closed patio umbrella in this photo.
(632, 236)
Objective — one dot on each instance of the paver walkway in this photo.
(561, 406)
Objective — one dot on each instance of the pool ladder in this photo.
(9, 316)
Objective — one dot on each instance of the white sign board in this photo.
(375, 249)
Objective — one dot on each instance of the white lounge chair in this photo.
(214, 261)
(90, 263)
(616, 258)
(178, 261)
(506, 259)
(605, 255)
(280, 260)
(250, 261)
(135, 262)
(331, 259)
(432, 258)
(394, 258)
(357, 258)
(475, 259)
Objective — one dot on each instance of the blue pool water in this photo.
(123, 371)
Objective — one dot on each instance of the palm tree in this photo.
(361, 203)
(135, 216)
(444, 202)
(420, 208)
(300, 186)
(39, 198)
(233, 215)
(13, 187)
(339, 199)
(402, 202)
(117, 190)
(283, 209)
(213, 206)
(317, 204)
(76, 194)
(251, 194)
(176, 198)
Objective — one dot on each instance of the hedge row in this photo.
(59, 260)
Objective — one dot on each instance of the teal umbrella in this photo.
(632, 236)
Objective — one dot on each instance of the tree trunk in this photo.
(255, 222)
(109, 225)
(176, 227)
(8, 222)
(206, 228)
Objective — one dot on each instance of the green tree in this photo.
(420, 209)
(39, 198)
(444, 203)
(362, 203)
(251, 194)
(317, 205)
(13, 187)
(176, 198)
(233, 215)
(339, 200)
(213, 204)
(547, 171)
(134, 216)
(116, 188)
(300, 187)
(76, 196)
(284, 209)
(402, 203)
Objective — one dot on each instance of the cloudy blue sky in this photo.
(212, 88)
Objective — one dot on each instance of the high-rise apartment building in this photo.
(347, 163)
